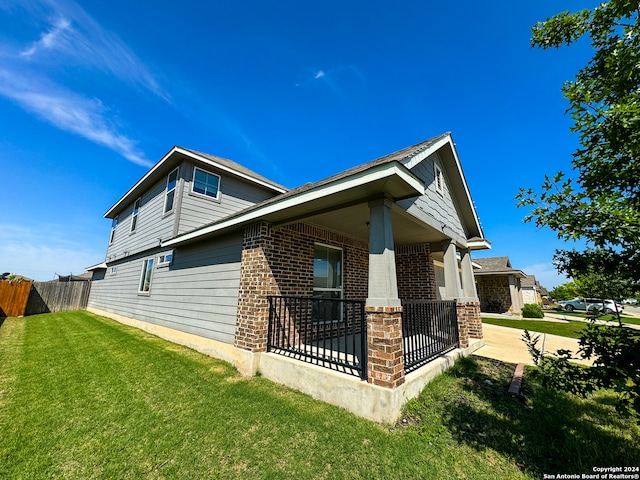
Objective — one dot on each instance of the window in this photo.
(134, 215)
(165, 259)
(145, 276)
(114, 224)
(439, 179)
(113, 270)
(172, 181)
(327, 282)
(205, 183)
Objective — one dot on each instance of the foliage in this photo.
(566, 291)
(532, 310)
(616, 366)
(601, 204)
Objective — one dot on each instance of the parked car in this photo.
(608, 307)
(590, 304)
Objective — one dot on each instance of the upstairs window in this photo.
(145, 276)
(112, 235)
(172, 181)
(205, 183)
(134, 215)
(439, 179)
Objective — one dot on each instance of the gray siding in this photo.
(434, 208)
(151, 224)
(235, 195)
(197, 293)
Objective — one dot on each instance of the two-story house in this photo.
(350, 289)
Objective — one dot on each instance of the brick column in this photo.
(469, 322)
(256, 282)
(385, 360)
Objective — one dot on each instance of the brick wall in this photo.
(416, 273)
(279, 261)
(494, 288)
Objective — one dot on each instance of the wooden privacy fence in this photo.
(48, 297)
(13, 298)
(31, 298)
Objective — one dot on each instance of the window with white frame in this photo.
(114, 224)
(327, 282)
(439, 179)
(134, 215)
(145, 276)
(165, 259)
(113, 270)
(205, 183)
(169, 198)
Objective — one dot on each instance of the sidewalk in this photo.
(505, 344)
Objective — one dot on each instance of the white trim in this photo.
(381, 172)
(167, 191)
(114, 226)
(202, 195)
(143, 271)
(438, 179)
(164, 262)
(135, 215)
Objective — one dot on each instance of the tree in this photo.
(601, 202)
(565, 291)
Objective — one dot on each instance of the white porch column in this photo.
(468, 280)
(452, 287)
(383, 284)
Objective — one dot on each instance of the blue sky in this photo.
(92, 94)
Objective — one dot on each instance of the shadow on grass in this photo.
(544, 432)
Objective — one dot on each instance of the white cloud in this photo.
(48, 39)
(75, 38)
(320, 74)
(72, 41)
(70, 112)
(546, 274)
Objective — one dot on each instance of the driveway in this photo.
(505, 344)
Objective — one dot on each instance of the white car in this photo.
(610, 307)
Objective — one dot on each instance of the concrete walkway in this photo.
(505, 344)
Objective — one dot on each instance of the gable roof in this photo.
(389, 175)
(176, 155)
(496, 266)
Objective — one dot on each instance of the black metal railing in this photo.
(429, 328)
(326, 332)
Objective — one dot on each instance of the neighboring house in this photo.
(532, 292)
(367, 273)
(499, 285)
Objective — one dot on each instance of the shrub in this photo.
(532, 310)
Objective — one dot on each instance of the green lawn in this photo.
(569, 329)
(83, 397)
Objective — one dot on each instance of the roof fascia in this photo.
(150, 173)
(116, 206)
(443, 142)
(226, 168)
(377, 173)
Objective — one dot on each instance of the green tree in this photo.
(565, 291)
(600, 203)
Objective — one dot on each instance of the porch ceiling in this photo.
(353, 221)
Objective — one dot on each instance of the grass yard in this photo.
(83, 397)
(569, 329)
